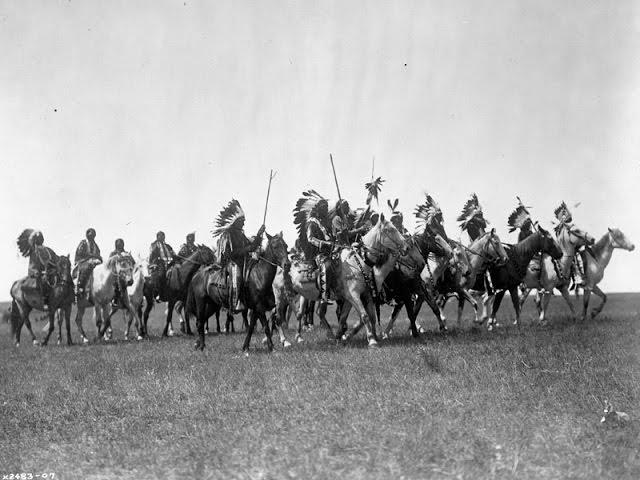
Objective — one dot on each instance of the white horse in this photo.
(545, 274)
(102, 286)
(595, 260)
(134, 296)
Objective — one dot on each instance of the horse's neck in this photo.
(602, 251)
(381, 272)
(526, 249)
(477, 261)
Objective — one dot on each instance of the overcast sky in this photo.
(131, 117)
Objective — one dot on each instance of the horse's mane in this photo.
(227, 217)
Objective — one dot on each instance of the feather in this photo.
(429, 216)
(472, 214)
(228, 217)
(27, 240)
(518, 218)
(307, 207)
(373, 189)
(563, 214)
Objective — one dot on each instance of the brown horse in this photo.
(25, 298)
(172, 285)
(209, 290)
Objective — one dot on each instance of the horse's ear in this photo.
(610, 229)
(381, 218)
(493, 231)
(281, 235)
(269, 237)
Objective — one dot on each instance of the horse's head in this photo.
(460, 262)
(492, 248)
(278, 251)
(571, 238)
(203, 255)
(63, 267)
(122, 265)
(549, 244)
(620, 240)
(384, 238)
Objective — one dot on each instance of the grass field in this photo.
(518, 403)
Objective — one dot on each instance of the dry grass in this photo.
(519, 403)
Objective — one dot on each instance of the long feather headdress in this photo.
(428, 214)
(228, 216)
(472, 214)
(519, 217)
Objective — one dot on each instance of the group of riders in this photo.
(322, 232)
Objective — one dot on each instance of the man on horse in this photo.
(187, 248)
(31, 244)
(86, 258)
(234, 248)
(342, 226)
(118, 251)
(565, 218)
(315, 242)
(160, 250)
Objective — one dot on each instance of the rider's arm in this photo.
(81, 252)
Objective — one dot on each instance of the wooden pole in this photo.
(271, 175)
(334, 176)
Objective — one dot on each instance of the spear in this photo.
(271, 176)
(334, 176)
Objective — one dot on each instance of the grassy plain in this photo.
(517, 403)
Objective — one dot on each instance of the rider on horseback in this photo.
(187, 248)
(159, 251)
(565, 218)
(342, 226)
(234, 248)
(31, 244)
(118, 251)
(86, 258)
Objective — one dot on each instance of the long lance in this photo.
(266, 204)
(334, 177)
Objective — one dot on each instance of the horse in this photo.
(208, 291)
(414, 277)
(460, 272)
(134, 297)
(361, 274)
(595, 261)
(24, 298)
(510, 276)
(545, 274)
(118, 270)
(172, 284)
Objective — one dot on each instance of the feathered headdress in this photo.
(228, 217)
(307, 207)
(373, 189)
(563, 215)
(519, 218)
(429, 216)
(28, 239)
(472, 215)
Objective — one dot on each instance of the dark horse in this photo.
(209, 290)
(25, 297)
(510, 276)
(172, 284)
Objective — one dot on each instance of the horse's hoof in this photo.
(373, 344)
(85, 340)
(59, 342)
(35, 342)
(385, 336)
(17, 344)
(43, 344)
(344, 337)
(206, 331)
(264, 340)
(421, 330)
(286, 344)
(139, 337)
(170, 333)
(246, 353)
(126, 339)
(443, 328)
(299, 339)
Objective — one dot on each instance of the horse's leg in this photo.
(433, 304)
(247, 338)
(542, 302)
(200, 309)
(300, 314)
(245, 320)
(441, 301)
(525, 294)
(17, 320)
(27, 323)
(218, 323)
(148, 300)
(52, 325)
(278, 314)
(515, 300)
(267, 330)
(601, 294)
(229, 323)
(410, 307)
(168, 327)
(585, 302)
(59, 313)
(79, 314)
(322, 314)
(416, 310)
(564, 291)
(496, 305)
(393, 317)
(366, 313)
(67, 320)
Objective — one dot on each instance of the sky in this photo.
(134, 117)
